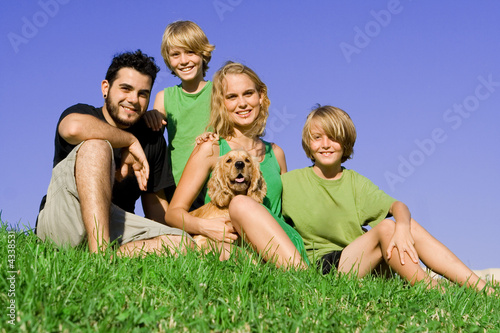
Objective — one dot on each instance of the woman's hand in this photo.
(219, 229)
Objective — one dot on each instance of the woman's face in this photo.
(242, 100)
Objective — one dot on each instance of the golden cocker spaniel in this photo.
(236, 173)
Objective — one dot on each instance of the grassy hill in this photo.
(45, 289)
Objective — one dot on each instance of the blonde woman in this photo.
(239, 110)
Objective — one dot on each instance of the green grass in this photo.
(69, 290)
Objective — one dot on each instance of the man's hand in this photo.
(133, 158)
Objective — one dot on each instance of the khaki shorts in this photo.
(61, 219)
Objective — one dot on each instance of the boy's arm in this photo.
(156, 118)
(402, 238)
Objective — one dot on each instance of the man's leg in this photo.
(61, 220)
(139, 235)
(93, 176)
(162, 244)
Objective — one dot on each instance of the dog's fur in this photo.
(236, 173)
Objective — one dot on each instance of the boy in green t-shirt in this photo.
(184, 108)
(329, 205)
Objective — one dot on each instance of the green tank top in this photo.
(271, 172)
(187, 117)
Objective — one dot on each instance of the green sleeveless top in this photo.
(187, 117)
(271, 171)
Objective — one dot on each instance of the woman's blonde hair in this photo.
(336, 123)
(219, 121)
(187, 35)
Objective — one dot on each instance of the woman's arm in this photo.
(194, 176)
(280, 156)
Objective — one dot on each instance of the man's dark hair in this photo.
(137, 60)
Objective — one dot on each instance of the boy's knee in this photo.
(386, 226)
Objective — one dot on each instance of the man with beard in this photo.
(105, 159)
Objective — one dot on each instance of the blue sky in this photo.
(421, 80)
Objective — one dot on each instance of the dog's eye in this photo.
(229, 160)
(247, 160)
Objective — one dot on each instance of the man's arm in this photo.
(155, 206)
(76, 128)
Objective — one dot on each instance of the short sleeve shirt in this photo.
(330, 214)
(126, 192)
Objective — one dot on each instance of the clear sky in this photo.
(421, 80)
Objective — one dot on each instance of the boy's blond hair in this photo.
(337, 125)
(219, 121)
(187, 35)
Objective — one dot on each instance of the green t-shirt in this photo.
(187, 117)
(329, 214)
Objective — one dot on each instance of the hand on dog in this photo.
(220, 229)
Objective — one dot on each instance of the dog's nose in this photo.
(239, 165)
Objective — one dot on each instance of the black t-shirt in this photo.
(126, 192)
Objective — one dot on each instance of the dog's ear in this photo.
(218, 190)
(258, 187)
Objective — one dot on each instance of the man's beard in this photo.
(114, 110)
